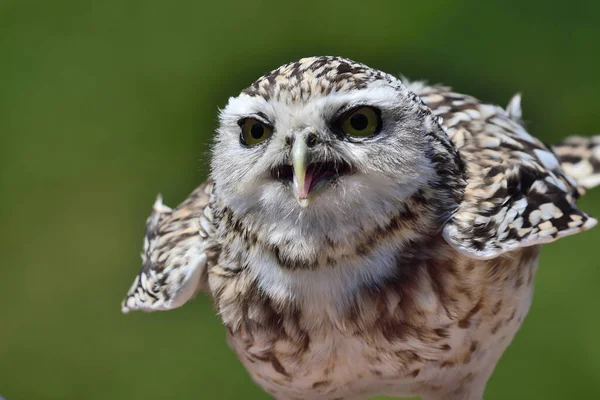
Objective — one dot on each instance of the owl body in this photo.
(362, 236)
(430, 332)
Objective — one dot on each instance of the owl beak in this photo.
(300, 164)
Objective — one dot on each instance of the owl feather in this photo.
(177, 247)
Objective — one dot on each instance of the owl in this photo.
(363, 235)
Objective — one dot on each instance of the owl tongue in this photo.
(302, 186)
(314, 174)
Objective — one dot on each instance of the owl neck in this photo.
(316, 270)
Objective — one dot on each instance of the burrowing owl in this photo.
(361, 235)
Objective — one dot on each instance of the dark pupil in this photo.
(257, 131)
(359, 121)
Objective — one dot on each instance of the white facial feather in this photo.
(377, 188)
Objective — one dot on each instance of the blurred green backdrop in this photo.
(105, 103)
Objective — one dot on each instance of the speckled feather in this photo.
(518, 193)
(409, 276)
(177, 247)
(580, 159)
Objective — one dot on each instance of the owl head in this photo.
(324, 148)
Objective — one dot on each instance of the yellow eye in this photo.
(362, 122)
(254, 132)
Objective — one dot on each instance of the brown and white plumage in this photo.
(580, 159)
(518, 193)
(406, 269)
(177, 248)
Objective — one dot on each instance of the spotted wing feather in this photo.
(580, 158)
(177, 249)
(517, 192)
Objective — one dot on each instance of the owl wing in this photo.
(177, 248)
(517, 193)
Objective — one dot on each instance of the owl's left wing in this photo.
(177, 248)
(517, 194)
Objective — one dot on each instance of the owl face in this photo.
(321, 149)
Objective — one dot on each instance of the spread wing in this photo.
(517, 193)
(177, 248)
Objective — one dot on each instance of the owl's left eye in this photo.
(361, 122)
(254, 132)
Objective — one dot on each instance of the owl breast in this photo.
(437, 326)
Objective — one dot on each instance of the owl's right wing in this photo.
(178, 245)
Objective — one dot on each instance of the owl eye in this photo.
(254, 132)
(361, 122)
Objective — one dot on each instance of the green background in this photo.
(105, 103)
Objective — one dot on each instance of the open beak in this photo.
(300, 161)
(307, 175)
